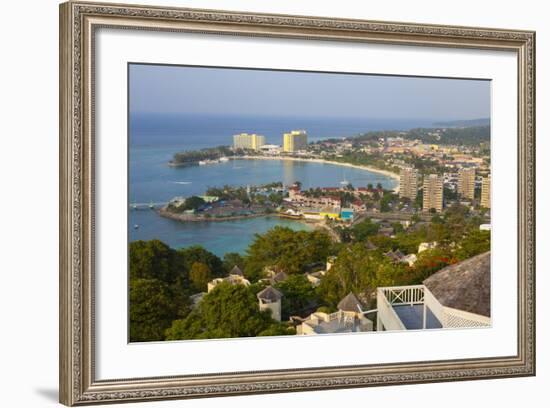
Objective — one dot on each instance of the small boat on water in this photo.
(151, 206)
(136, 226)
(211, 161)
(223, 159)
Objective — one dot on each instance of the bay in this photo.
(155, 138)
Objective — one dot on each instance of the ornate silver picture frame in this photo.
(79, 22)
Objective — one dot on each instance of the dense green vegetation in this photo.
(162, 279)
(465, 123)
(464, 136)
(194, 156)
(298, 296)
(227, 311)
(286, 250)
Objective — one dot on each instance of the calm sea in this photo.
(155, 138)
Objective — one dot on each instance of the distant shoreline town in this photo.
(434, 168)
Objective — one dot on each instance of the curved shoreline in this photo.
(314, 225)
(323, 161)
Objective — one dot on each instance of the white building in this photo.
(270, 299)
(426, 245)
(315, 277)
(456, 296)
(270, 149)
(348, 319)
(235, 277)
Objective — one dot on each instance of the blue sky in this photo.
(196, 90)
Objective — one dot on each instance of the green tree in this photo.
(286, 250)
(193, 203)
(298, 295)
(154, 260)
(200, 275)
(359, 271)
(397, 227)
(385, 202)
(153, 307)
(276, 198)
(364, 230)
(230, 259)
(474, 243)
(227, 311)
(196, 253)
(429, 262)
(278, 329)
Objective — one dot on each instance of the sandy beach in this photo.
(323, 161)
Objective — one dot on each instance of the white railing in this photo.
(459, 318)
(388, 297)
(404, 295)
(433, 304)
(387, 318)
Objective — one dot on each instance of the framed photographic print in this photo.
(256, 203)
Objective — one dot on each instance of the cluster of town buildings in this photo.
(468, 171)
(464, 183)
(326, 204)
(292, 142)
(454, 297)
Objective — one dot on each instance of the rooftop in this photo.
(465, 285)
(236, 271)
(270, 293)
(350, 303)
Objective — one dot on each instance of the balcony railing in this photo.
(415, 307)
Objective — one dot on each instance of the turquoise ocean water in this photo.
(154, 139)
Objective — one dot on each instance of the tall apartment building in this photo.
(467, 182)
(433, 193)
(486, 192)
(408, 183)
(248, 141)
(294, 141)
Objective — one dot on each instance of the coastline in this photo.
(313, 224)
(323, 161)
(192, 218)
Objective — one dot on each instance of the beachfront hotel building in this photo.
(433, 193)
(467, 182)
(486, 192)
(294, 141)
(408, 183)
(248, 141)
